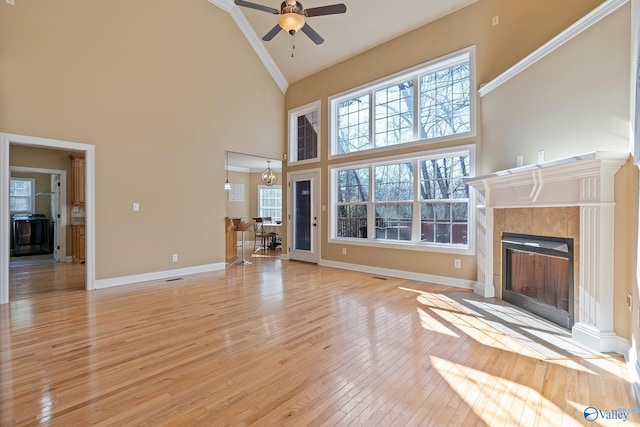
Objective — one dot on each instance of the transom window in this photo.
(428, 102)
(422, 200)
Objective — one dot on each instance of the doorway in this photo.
(50, 197)
(7, 140)
(303, 203)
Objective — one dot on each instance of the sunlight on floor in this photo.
(505, 402)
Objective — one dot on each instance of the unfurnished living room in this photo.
(222, 212)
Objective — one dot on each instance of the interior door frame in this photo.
(60, 237)
(315, 176)
(6, 139)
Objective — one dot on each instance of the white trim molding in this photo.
(593, 17)
(401, 274)
(586, 181)
(158, 275)
(254, 41)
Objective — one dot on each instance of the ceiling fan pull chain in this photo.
(293, 44)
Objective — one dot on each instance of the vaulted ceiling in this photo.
(366, 23)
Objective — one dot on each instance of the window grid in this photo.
(21, 195)
(353, 124)
(445, 102)
(429, 207)
(304, 133)
(307, 136)
(433, 101)
(270, 202)
(394, 114)
(352, 209)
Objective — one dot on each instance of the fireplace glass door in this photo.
(538, 276)
(543, 278)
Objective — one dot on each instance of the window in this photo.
(304, 125)
(21, 195)
(428, 102)
(270, 202)
(420, 201)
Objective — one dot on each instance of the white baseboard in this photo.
(602, 341)
(158, 275)
(484, 290)
(401, 274)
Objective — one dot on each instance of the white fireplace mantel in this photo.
(586, 181)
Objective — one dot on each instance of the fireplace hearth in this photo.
(538, 275)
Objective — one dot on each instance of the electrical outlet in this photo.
(540, 156)
(495, 20)
(457, 263)
(175, 257)
(136, 206)
(519, 161)
(344, 251)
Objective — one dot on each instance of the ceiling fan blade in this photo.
(311, 33)
(325, 10)
(272, 33)
(257, 6)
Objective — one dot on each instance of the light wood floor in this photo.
(282, 343)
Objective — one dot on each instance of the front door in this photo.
(304, 224)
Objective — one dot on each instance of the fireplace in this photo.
(538, 275)
(584, 183)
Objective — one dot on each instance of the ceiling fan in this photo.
(292, 17)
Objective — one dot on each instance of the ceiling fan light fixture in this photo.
(291, 22)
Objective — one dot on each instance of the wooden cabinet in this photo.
(78, 243)
(231, 241)
(77, 179)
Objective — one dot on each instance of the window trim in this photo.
(32, 196)
(293, 132)
(410, 73)
(469, 249)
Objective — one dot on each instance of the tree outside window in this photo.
(387, 113)
(421, 200)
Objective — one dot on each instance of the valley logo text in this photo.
(591, 413)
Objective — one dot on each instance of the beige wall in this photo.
(524, 26)
(161, 89)
(573, 101)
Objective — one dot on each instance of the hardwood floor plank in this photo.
(279, 343)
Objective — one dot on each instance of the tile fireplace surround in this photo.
(571, 197)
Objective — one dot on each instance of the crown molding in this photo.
(593, 17)
(254, 41)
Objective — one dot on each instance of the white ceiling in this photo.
(240, 162)
(366, 23)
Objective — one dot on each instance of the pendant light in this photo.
(268, 176)
(227, 186)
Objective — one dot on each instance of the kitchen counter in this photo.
(77, 220)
